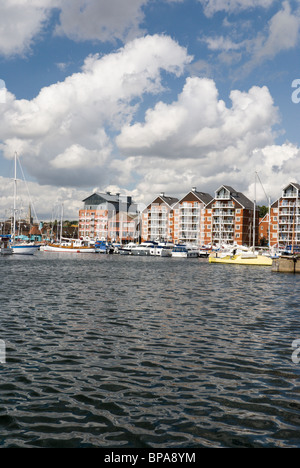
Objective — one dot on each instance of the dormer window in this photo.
(290, 192)
(223, 194)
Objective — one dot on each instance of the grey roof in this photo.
(238, 196)
(204, 197)
(243, 200)
(103, 197)
(169, 200)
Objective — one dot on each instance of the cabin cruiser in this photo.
(144, 248)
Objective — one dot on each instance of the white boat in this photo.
(24, 249)
(70, 246)
(5, 248)
(143, 249)
(127, 249)
(181, 251)
(162, 249)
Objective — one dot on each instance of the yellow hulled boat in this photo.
(241, 259)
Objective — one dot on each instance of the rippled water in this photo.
(113, 351)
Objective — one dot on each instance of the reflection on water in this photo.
(110, 351)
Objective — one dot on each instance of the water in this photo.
(119, 352)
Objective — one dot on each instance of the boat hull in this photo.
(65, 249)
(259, 260)
(24, 249)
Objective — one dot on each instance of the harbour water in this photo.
(113, 351)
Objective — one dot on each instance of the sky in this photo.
(147, 96)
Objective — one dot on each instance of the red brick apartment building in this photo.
(229, 218)
(189, 217)
(285, 217)
(158, 219)
(196, 218)
(201, 219)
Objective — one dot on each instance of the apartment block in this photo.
(285, 217)
(98, 216)
(158, 219)
(229, 218)
(189, 217)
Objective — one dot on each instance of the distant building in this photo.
(98, 213)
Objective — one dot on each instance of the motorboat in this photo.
(127, 248)
(162, 249)
(144, 248)
(181, 251)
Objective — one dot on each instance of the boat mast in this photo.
(254, 212)
(61, 221)
(15, 199)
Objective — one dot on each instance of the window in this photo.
(238, 211)
(237, 234)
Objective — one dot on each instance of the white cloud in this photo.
(100, 19)
(283, 34)
(21, 21)
(280, 34)
(63, 133)
(233, 6)
(199, 125)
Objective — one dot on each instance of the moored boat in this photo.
(72, 246)
(5, 248)
(181, 251)
(244, 258)
(143, 249)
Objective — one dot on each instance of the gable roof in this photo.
(239, 197)
(203, 197)
(170, 201)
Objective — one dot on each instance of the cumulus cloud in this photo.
(199, 141)
(21, 21)
(24, 21)
(199, 125)
(63, 134)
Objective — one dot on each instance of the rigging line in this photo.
(268, 198)
(28, 190)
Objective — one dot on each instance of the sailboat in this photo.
(243, 256)
(19, 248)
(66, 245)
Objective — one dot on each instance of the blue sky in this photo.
(147, 96)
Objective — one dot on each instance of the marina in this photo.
(124, 351)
